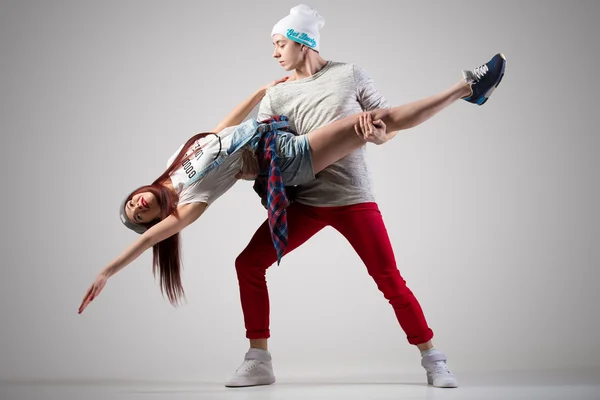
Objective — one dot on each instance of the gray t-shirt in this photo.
(334, 92)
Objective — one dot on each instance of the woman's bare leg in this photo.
(338, 139)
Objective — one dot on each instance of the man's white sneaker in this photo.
(438, 374)
(256, 369)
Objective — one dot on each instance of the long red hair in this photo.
(166, 258)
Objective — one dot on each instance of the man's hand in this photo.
(371, 131)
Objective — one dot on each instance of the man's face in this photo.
(288, 53)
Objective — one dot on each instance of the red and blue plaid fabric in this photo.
(269, 183)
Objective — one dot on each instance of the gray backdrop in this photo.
(491, 210)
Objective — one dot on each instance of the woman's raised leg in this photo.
(338, 139)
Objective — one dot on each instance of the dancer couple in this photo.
(309, 140)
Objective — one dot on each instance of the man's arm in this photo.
(368, 95)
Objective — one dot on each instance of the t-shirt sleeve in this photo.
(265, 110)
(367, 94)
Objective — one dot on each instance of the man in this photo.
(318, 93)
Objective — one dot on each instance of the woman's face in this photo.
(142, 208)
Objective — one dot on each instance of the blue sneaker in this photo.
(485, 79)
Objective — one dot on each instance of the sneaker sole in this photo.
(488, 94)
(247, 383)
(447, 386)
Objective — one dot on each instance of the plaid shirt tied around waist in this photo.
(269, 183)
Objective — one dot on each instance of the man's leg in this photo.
(362, 225)
(251, 266)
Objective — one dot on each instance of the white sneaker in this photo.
(255, 370)
(438, 374)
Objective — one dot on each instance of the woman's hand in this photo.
(371, 131)
(93, 291)
(250, 168)
(275, 82)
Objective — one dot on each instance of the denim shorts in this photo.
(295, 161)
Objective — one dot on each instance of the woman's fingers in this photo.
(87, 294)
(91, 294)
(86, 300)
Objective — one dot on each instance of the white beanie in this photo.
(302, 25)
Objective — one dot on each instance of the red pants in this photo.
(362, 225)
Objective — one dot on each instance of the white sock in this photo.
(258, 354)
(429, 352)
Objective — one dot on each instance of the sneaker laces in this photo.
(247, 366)
(439, 368)
(480, 71)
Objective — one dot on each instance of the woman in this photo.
(209, 164)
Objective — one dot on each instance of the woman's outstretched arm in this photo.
(166, 228)
(188, 213)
